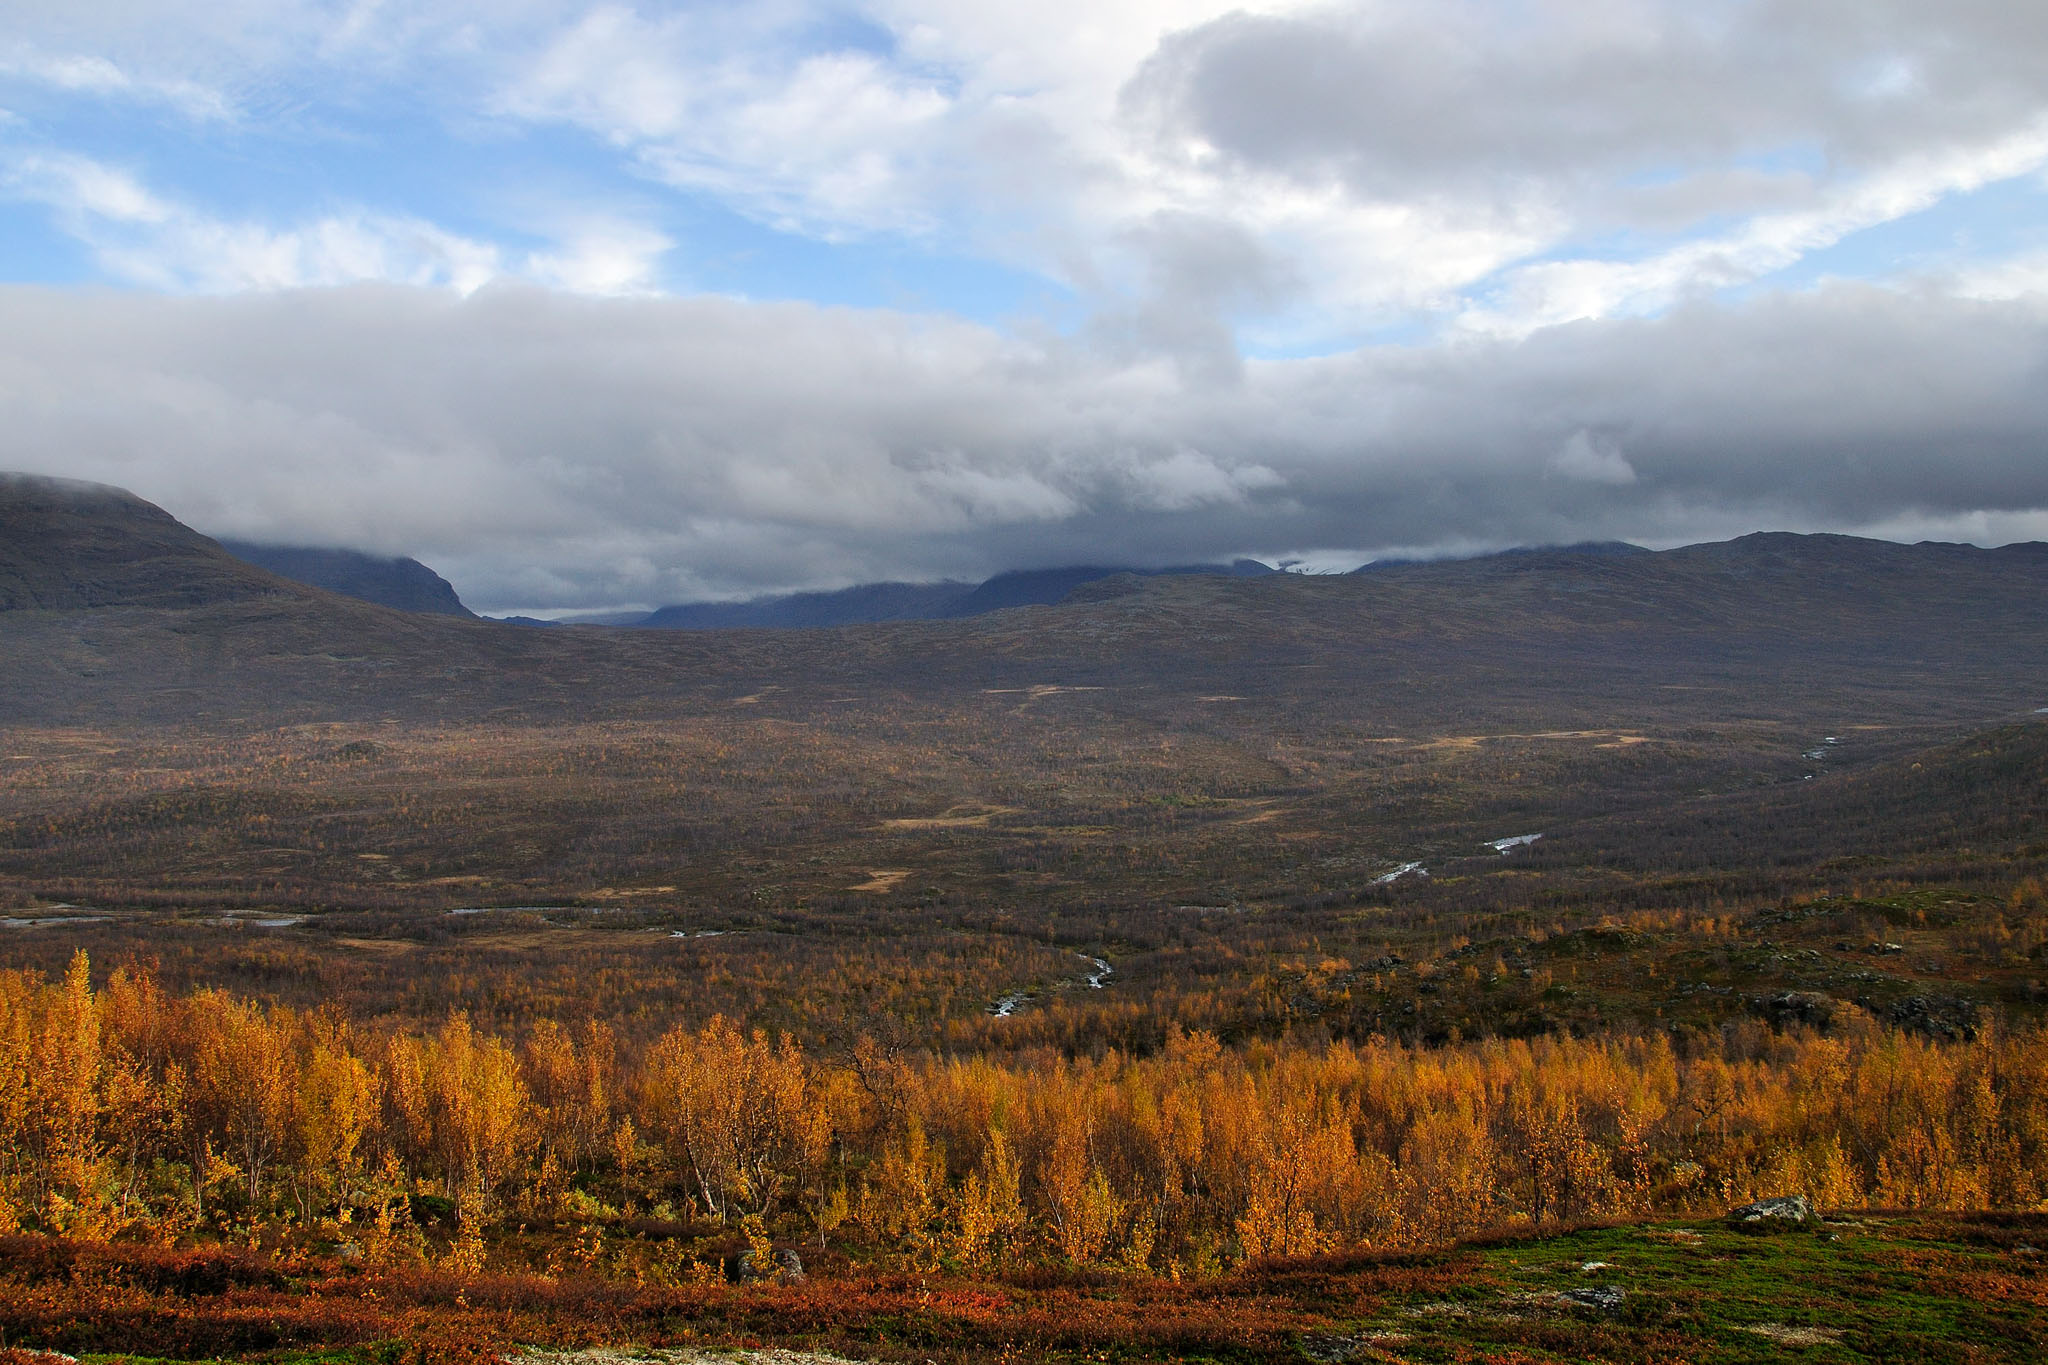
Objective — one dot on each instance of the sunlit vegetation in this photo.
(127, 1113)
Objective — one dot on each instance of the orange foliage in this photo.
(125, 1108)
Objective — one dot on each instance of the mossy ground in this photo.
(1926, 1289)
(1872, 1288)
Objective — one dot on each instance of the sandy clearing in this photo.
(1037, 690)
(1610, 739)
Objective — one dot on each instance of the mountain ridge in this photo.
(873, 603)
(394, 581)
(66, 544)
(176, 627)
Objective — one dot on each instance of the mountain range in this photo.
(115, 609)
(868, 603)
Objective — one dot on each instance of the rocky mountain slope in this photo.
(405, 584)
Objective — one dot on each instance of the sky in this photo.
(613, 305)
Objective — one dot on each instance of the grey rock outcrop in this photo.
(1780, 1211)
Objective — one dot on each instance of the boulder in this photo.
(784, 1267)
(1801, 1007)
(1785, 1210)
(1948, 1018)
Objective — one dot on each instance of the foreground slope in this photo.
(1925, 1288)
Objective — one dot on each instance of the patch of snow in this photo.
(1513, 841)
(1403, 870)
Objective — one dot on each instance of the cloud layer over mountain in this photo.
(547, 450)
(594, 303)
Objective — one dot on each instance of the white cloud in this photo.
(602, 258)
(1561, 291)
(1386, 162)
(1592, 458)
(92, 74)
(2013, 277)
(140, 237)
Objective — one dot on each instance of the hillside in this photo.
(405, 584)
(868, 603)
(861, 605)
(69, 546)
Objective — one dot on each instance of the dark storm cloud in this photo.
(548, 450)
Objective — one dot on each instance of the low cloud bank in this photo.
(544, 450)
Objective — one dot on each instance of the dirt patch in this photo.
(882, 879)
(1603, 739)
(1037, 690)
(1683, 1237)
(1797, 1336)
(376, 945)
